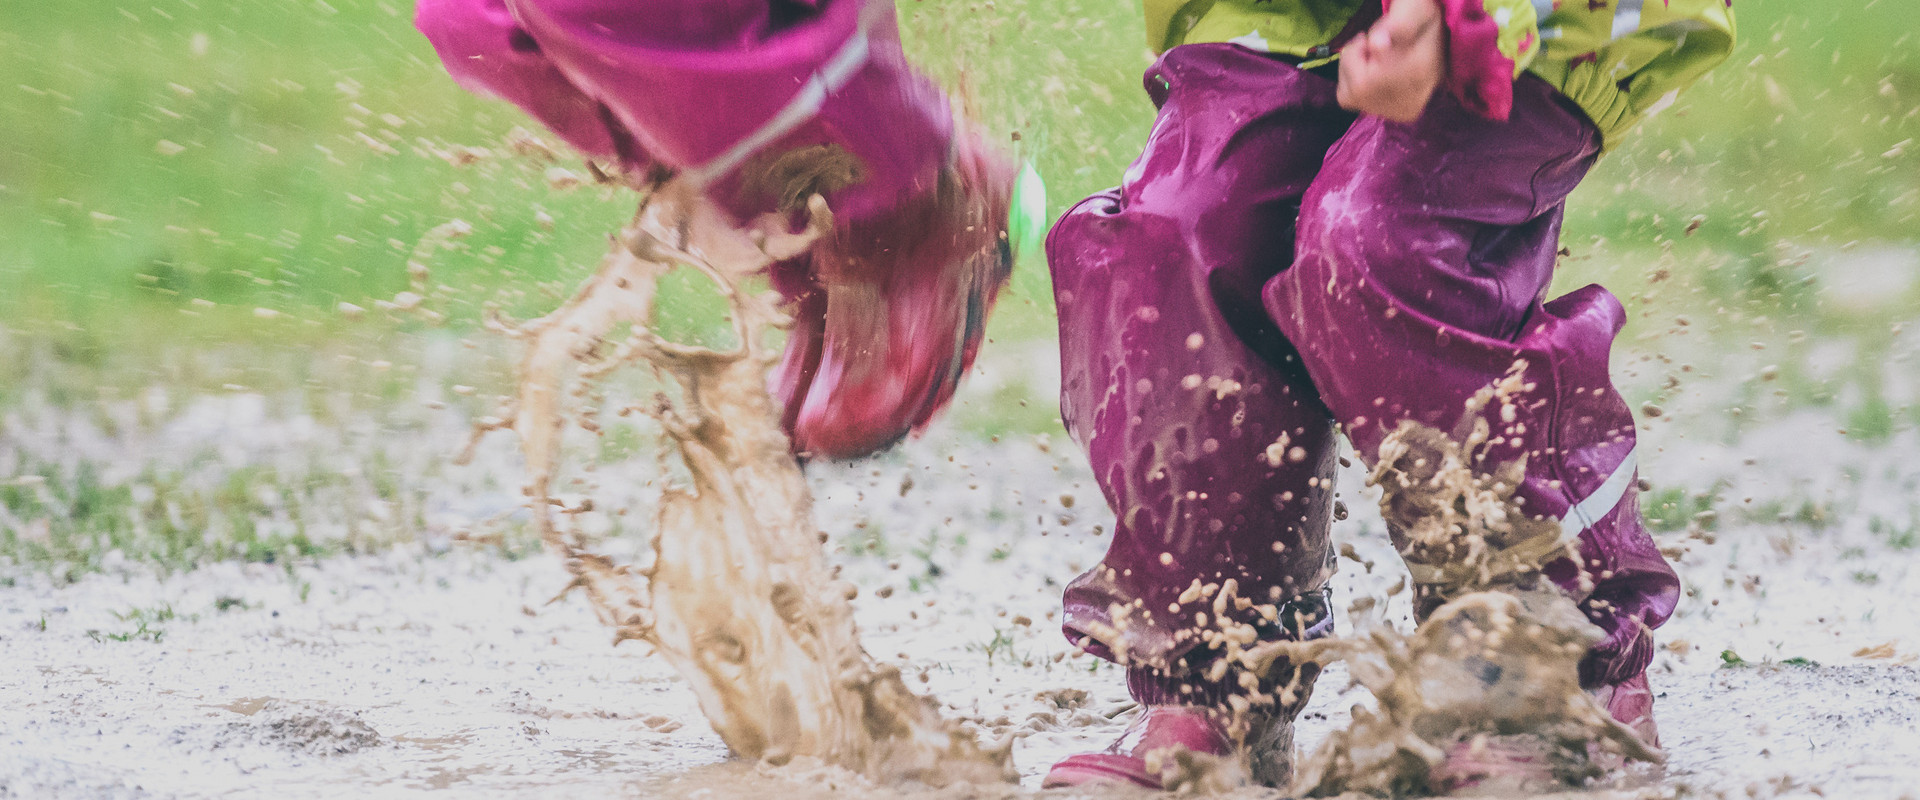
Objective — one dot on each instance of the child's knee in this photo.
(1476, 277)
(1082, 236)
(1342, 240)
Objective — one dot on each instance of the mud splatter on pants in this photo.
(1272, 266)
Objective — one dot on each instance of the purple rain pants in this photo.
(705, 86)
(761, 104)
(1272, 265)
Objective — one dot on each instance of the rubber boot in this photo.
(1192, 715)
(906, 305)
(1509, 764)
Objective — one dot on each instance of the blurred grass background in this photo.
(221, 174)
(189, 189)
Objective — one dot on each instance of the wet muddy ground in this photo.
(431, 664)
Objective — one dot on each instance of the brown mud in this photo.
(1452, 513)
(738, 596)
(1493, 669)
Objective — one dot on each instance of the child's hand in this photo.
(1393, 69)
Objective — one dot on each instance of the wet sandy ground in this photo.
(408, 677)
(436, 667)
(418, 673)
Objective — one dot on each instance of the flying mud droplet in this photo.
(738, 596)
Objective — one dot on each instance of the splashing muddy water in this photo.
(1487, 673)
(739, 598)
(738, 595)
(1453, 512)
(1490, 676)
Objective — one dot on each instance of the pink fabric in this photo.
(1425, 252)
(488, 53)
(680, 82)
(890, 309)
(1160, 279)
(1421, 262)
(1478, 74)
(1632, 704)
(1161, 728)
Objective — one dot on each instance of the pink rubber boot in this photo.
(1631, 703)
(904, 311)
(1125, 762)
(1503, 764)
(1194, 714)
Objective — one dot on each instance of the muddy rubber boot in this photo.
(1496, 764)
(761, 105)
(1189, 737)
(1158, 730)
(900, 312)
(1505, 764)
(1631, 702)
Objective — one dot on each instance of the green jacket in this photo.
(1620, 60)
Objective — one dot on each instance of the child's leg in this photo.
(1424, 254)
(720, 89)
(1177, 384)
(696, 81)
(488, 52)
(763, 104)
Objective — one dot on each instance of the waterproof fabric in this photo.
(1270, 266)
(1174, 377)
(1620, 60)
(680, 83)
(763, 103)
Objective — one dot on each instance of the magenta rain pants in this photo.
(891, 308)
(704, 86)
(1272, 266)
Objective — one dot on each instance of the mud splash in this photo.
(1485, 692)
(1452, 510)
(1489, 677)
(738, 595)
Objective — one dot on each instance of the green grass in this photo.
(253, 514)
(281, 154)
(1899, 537)
(1671, 509)
(169, 169)
(273, 198)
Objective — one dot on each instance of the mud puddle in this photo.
(1788, 671)
(439, 655)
